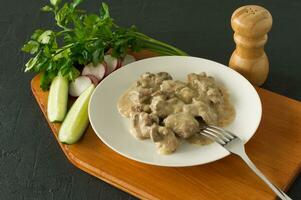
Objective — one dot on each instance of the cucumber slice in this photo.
(77, 118)
(57, 99)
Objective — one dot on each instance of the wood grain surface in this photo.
(251, 24)
(275, 149)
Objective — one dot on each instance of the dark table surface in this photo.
(32, 165)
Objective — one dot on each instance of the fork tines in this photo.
(217, 134)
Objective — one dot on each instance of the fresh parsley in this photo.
(83, 38)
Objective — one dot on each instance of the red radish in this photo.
(119, 63)
(99, 71)
(127, 60)
(79, 85)
(94, 80)
(112, 63)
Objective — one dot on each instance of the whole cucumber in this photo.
(77, 118)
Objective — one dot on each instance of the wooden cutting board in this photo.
(275, 149)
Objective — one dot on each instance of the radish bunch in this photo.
(94, 74)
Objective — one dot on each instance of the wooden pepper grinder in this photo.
(251, 24)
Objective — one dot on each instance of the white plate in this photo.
(113, 129)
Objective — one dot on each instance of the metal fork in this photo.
(236, 146)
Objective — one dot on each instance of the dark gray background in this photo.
(32, 165)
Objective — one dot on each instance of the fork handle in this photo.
(276, 189)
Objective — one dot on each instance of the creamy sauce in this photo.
(200, 97)
(199, 140)
(124, 104)
(226, 111)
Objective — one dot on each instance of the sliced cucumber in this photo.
(57, 99)
(77, 119)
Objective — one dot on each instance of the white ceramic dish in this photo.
(113, 129)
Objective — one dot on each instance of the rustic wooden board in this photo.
(275, 149)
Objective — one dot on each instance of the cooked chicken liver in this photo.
(167, 110)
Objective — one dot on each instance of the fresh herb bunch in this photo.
(83, 38)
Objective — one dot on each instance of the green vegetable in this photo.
(77, 118)
(83, 38)
(57, 99)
